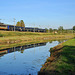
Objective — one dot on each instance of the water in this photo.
(25, 60)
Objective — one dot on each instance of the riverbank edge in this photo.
(4, 46)
(49, 68)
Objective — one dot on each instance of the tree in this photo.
(60, 28)
(46, 29)
(50, 29)
(22, 51)
(18, 24)
(73, 27)
(22, 23)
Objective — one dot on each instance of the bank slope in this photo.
(61, 61)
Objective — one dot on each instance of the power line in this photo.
(0, 19)
(14, 24)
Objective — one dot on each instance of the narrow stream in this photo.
(25, 60)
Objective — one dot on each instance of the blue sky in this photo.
(43, 13)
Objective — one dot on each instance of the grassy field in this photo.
(34, 35)
(61, 61)
(17, 33)
(10, 38)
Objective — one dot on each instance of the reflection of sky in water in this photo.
(28, 62)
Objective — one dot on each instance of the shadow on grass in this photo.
(65, 65)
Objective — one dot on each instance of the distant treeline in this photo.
(60, 30)
(50, 30)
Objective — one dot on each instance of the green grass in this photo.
(64, 64)
(70, 42)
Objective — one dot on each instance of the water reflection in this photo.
(26, 59)
(20, 48)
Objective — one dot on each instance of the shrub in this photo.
(1, 35)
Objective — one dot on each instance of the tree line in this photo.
(60, 30)
(50, 30)
(20, 23)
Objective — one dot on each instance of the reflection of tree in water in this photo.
(20, 48)
(22, 51)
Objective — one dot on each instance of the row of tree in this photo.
(51, 30)
(61, 30)
(20, 23)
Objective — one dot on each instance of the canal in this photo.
(26, 59)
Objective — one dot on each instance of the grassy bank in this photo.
(4, 46)
(61, 61)
(8, 37)
(11, 38)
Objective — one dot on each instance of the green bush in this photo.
(1, 35)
